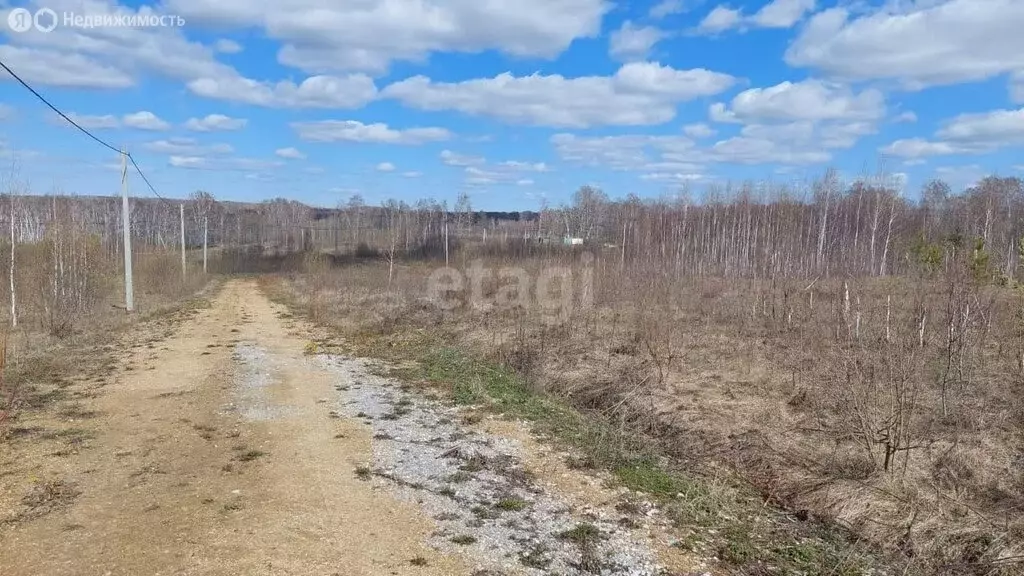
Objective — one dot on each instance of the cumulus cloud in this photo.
(385, 167)
(640, 93)
(186, 147)
(91, 122)
(698, 130)
(905, 117)
(354, 131)
(920, 45)
(377, 33)
(53, 68)
(782, 13)
(632, 42)
(807, 100)
(720, 19)
(348, 92)
(966, 134)
(240, 164)
(215, 122)
(775, 14)
(668, 7)
(454, 159)
(141, 120)
(290, 153)
(115, 57)
(226, 46)
(145, 120)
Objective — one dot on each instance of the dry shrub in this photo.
(826, 395)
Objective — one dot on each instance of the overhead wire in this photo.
(84, 130)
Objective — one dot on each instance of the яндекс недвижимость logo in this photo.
(47, 20)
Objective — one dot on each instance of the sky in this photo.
(518, 103)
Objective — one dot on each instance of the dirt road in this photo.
(229, 445)
(194, 472)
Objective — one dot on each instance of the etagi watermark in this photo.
(47, 20)
(554, 291)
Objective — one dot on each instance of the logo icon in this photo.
(45, 20)
(20, 20)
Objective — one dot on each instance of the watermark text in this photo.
(48, 20)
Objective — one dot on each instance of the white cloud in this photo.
(354, 131)
(698, 130)
(917, 147)
(640, 93)
(183, 147)
(453, 159)
(222, 164)
(782, 13)
(376, 33)
(115, 57)
(632, 42)
(922, 44)
(672, 177)
(145, 120)
(775, 14)
(91, 122)
(290, 153)
(214, 122)
(52, 68)
(412, 174)
(385, 167)
(524, 182)
(525, 166)
(108, 56)
(667, 8)
(720, 19)
(807, 100)
(508, 172)
(347, 92)
(142, 120)
(226, 46)
(966, 134)
(1017, 87)
(795, 143)
(905, 117)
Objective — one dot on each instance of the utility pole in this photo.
(204, 243)
(182, 212)
(129, 293)
(14, 307)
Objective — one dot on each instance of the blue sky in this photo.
(516, 103)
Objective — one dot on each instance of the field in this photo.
(832, 400)
(750, 385)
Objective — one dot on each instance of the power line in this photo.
(146, 180)
(83, 130)
(54, 108)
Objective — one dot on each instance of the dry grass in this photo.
(828, 398)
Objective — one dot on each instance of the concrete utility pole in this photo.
(182, 212)
(129, 292)
(204, 244)
(14, 307)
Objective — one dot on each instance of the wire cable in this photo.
(83, 130)
(54, 108)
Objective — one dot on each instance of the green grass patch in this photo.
(511, 504)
